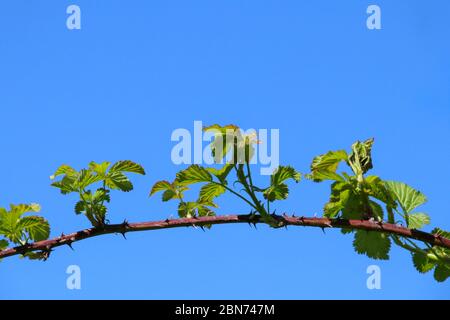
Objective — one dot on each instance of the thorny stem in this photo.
(393, 229)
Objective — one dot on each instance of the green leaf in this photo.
(8, 225)
(377, 210)
(101, 195)
(324, 166)
(221, 173)
(168, 195)
(66, 184)
(127, 166)
(171, 190)
(440, 232)
(204, 211)
(193, 174)
(210, 191)
(161, 186)
(99, 168)
(187, 209)
(37, 227)
(340, 192)
(117, 180)
(407, 197)
(360, 159)
(284, 173)
(276, 192)
(421, 262)
(376, 245)
(24, 208)
(36, 255)
(441, 273)
(3, 244)
(375, 187)
(418, 220)
(64, 170)
(86, 178)
(80, 207)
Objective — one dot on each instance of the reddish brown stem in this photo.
(284, 220)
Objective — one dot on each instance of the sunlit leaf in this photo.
(127, 166)
(193, 174)
(407, 197)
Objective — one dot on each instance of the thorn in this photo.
(70, 245)
(167, 220)
(293, 215)
(254, 225)
(285, 215)
(250, 224)
(125, 223)
(62, 234)
(195, 227)
(285, 226)
(123, 235)
(323, 229)
(203, 229)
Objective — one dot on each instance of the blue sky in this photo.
(137, 70)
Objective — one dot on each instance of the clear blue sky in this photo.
(139, 69)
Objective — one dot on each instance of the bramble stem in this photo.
(48, 245)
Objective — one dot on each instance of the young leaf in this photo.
(193, 174)
(221, 173)
(407, 197)
(3, 244)
(440, 232)
(376, 245)
(360, 160)
(80, 207)
(99, 168)
(421, 262)
(376, 210)
(127, 166)
(117, 180)
(86, 178)
(66, 184)
(169, 195)
(283, 173)
(187, 209)
(276, 192)
(64, 170)
(162, 185)
(37, 227)
(210, 191)
(418, 220)
(324, 167)
(442, 272)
